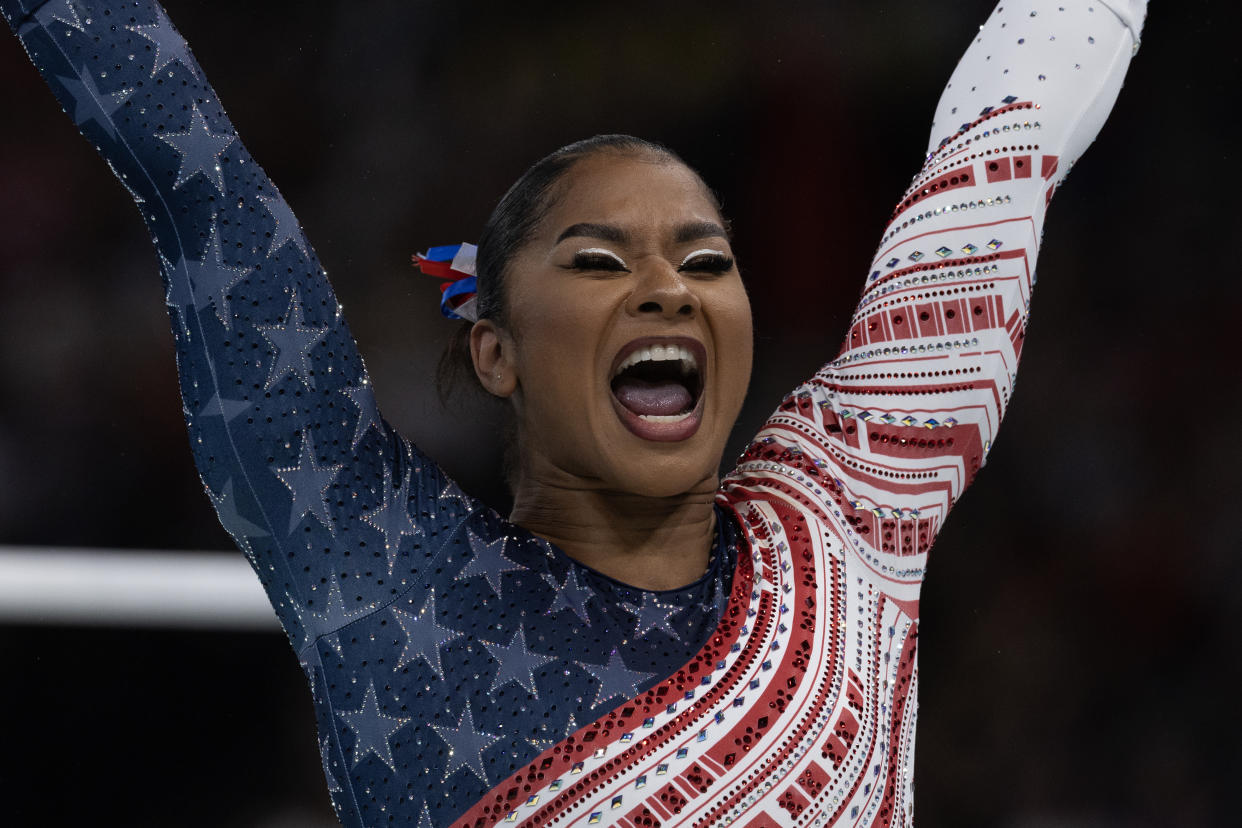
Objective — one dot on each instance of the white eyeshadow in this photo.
(605, 252)
(699, 252)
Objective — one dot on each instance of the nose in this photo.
(661, 290)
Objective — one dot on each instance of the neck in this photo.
(647, 542)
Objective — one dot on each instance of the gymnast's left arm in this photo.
(885, 437)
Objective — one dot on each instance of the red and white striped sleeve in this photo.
(887, 436)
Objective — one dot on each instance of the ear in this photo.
(491, 350)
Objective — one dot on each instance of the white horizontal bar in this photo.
(207, 590)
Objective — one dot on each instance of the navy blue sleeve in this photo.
(325, 499)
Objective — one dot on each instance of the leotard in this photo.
(465, 672)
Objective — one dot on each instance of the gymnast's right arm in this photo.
(336, 512)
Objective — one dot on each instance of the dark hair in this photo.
(511, 225)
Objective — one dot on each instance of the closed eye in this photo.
(598, 258)
(706, 261)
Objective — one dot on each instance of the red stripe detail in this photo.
(955, 180)
(1048, 166)
(888, 251)
(901, 324)
(998, 170)
(965, 261)
(994, 113)
(643, 817)
(792, 668)
(905, 674)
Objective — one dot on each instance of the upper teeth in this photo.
(661, 353)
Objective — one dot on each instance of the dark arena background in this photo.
(1079, 655)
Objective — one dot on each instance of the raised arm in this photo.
(332, 507)
(887, 436)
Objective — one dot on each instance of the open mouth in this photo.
(657, 387)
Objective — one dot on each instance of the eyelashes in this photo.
(599, 258)
(704, 260)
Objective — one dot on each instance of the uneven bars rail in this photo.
(110, 587)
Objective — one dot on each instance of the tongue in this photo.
(659, 398)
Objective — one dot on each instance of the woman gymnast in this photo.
(640, 642)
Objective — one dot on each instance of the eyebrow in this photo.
(607, 232)
(696, 230)
(691, 231)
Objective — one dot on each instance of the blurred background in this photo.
(1079, 650)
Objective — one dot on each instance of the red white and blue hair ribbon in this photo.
(453, 264)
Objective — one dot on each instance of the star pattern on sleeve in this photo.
(223, 407)
(615, 679)
(372, 729)
(292, 342)
(199, 283)
(488, 561)
(59, 10)
(553, 735)
(325, 749)
(89, 104)
(333, 614)
(572, 595)
(308, 482)
(363, 396)
(241, 529)
(392, 517)
(452, 493)
(424, 637)
(466, 745)
(287, 228)
(169, 46)
(200, 150)
(124, 179)
(516, 662)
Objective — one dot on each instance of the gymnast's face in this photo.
(628, 350)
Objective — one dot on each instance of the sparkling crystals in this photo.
(969, 249)
(916, 255)
(994, 244)
(943, 251)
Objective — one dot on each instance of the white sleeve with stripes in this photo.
(899, 423)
